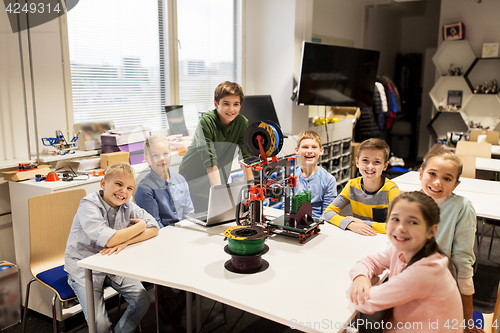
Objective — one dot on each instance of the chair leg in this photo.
(491, 241)
(157, 310)
(25, 315)
(480, 239)
(54, 315)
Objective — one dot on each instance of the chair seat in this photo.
(57, 279)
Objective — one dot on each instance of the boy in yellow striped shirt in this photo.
(369, 195)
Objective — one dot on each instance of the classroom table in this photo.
(304, 287)
(484, 194)
(488, 164)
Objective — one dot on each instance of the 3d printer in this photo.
(276, 181)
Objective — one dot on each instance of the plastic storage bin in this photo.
(337, 173)
(336, 147)
(346, 173)
(346, 159)
(10, 297)
(346, 145)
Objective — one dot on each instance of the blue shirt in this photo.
(168, 201)
(93, 225)
(322, 185)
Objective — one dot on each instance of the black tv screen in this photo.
(258, 108)
(337, 75)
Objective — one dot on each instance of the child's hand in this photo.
(115, 249)
(361, 228)
(138, 221)
(360, 290)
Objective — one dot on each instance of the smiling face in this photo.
(371, 164)
(407, 229)
(309, 152)
(117, 189)
(158, 157)
(439, 178)
(228, 108)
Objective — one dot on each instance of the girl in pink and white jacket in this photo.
(421, 293)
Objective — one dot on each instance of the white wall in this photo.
(480, 19)
(274, 32)
(340, 19)
(46, 66)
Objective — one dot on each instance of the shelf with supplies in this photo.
(483, 75)
(454, 59)
(458, 54)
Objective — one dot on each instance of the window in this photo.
(115, 62)
(120, 59)
(207, 52)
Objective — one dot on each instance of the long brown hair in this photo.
(431, 214)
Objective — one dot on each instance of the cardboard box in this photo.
(344, 112)
(108, 160)
(17, 175)
(489, 136)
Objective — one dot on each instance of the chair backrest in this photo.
(50, 219)
(469, 165)
(474, 148)
(492, 137)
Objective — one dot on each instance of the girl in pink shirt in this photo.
(421, 293)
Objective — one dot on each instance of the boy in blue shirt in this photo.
(310, 177)
(106, 222)
(163, 194)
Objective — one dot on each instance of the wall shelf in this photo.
(439, 93)
(482, 70)
(459, 53)
(446, 121)
(483, 108)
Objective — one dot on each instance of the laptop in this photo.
(222, 203)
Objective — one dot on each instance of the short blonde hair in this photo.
(308, 135)
(153, 140)
(119, 168)
(375, 144)
(228, 88)
(447, 156)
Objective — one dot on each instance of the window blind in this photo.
(207, 52)
(118, 61)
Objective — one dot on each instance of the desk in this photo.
(488, 164)
(304, 284)
(484, 194)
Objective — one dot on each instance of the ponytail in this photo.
(431, 247)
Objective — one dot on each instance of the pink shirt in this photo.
(424, 297)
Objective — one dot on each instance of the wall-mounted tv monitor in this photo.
(337, 75)
(258, 108)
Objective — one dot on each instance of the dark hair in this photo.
(431, 214)
(227, 88)
(375, 144)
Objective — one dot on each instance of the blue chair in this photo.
(50, 219)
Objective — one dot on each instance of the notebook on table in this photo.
(222, 203)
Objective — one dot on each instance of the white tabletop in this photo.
(484, 194)
(304, 284)
(488, 164)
